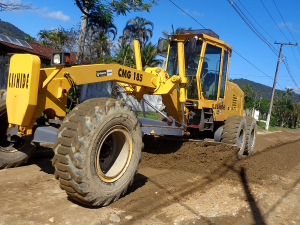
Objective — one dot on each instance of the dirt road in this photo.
(178, 183)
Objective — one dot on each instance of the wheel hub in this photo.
(114, 153)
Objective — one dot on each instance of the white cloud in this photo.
(289, 25)
(192, 13)
(295, 89)
(45, 12)
(58, 15)
(10, 1)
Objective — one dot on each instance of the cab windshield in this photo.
(191, 66)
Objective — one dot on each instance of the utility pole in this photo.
(274, 84)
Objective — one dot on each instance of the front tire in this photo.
(234, 132)
(98, 151)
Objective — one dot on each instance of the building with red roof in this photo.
(6, 49)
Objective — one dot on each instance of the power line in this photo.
(290, 73)
(232, 50)
(187, 14)
(273, 20)
(252, 27)
(287, 28)
(256, 21)
(295, 56)
(256, 67)
(284, 21)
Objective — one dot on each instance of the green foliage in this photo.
(248, 96)
(261, 126)
(285, 111)
(11, 30)
(153, 116)
(52, 38)
(264, 105)
(138, 28)
(149, 56)
(263, 90)
(273, 121)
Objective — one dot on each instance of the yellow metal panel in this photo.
(181, 70)
(137, 53)
(22, 88)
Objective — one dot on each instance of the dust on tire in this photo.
(77, 149)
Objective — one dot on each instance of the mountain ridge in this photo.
(261, 89)
(11, 30)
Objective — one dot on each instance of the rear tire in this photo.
(251, 133)
(12, 154)
(234, 132)
(98, 151)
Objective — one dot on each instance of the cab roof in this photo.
(204, 34)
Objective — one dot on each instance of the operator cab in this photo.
(205, 67)
(206, 61)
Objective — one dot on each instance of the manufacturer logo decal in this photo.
(18, 80)
(128, 74)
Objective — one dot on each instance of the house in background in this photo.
(9, 45)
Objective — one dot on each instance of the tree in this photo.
(148, 55)
(138, 28)
(70, 44)
(101, 40)
(264, 106)
(45, 37)
(289, 92)
(284, 110)
(12, 6)
(166, 36)
(177, 31)
(124, 54)
(249, 96)
(30, 39)
(52, 38)
(102, 13)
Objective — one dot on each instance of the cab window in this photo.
(210, 72)
(224, 73)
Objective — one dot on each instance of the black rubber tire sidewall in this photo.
(231, 130)
(251, 126)
(99, 186)
(12, 157)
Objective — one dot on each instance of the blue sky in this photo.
(217, 15)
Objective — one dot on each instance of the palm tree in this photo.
(177, 31)
(138, 28)
(30, 39)
(148, 55)
(289, 92)
(58, 38)
(101, 39)
(124, 53)
(45, 37)
(166, 36)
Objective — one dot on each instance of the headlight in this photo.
(60, 59)
(56, 59)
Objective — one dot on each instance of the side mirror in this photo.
(160, 45)
(192, 45)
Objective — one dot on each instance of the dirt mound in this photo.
(195, 157)
(218, 161)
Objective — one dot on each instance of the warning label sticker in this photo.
(103, 73)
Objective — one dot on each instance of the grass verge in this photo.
(261, 127)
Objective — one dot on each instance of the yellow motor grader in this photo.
(97, 146)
